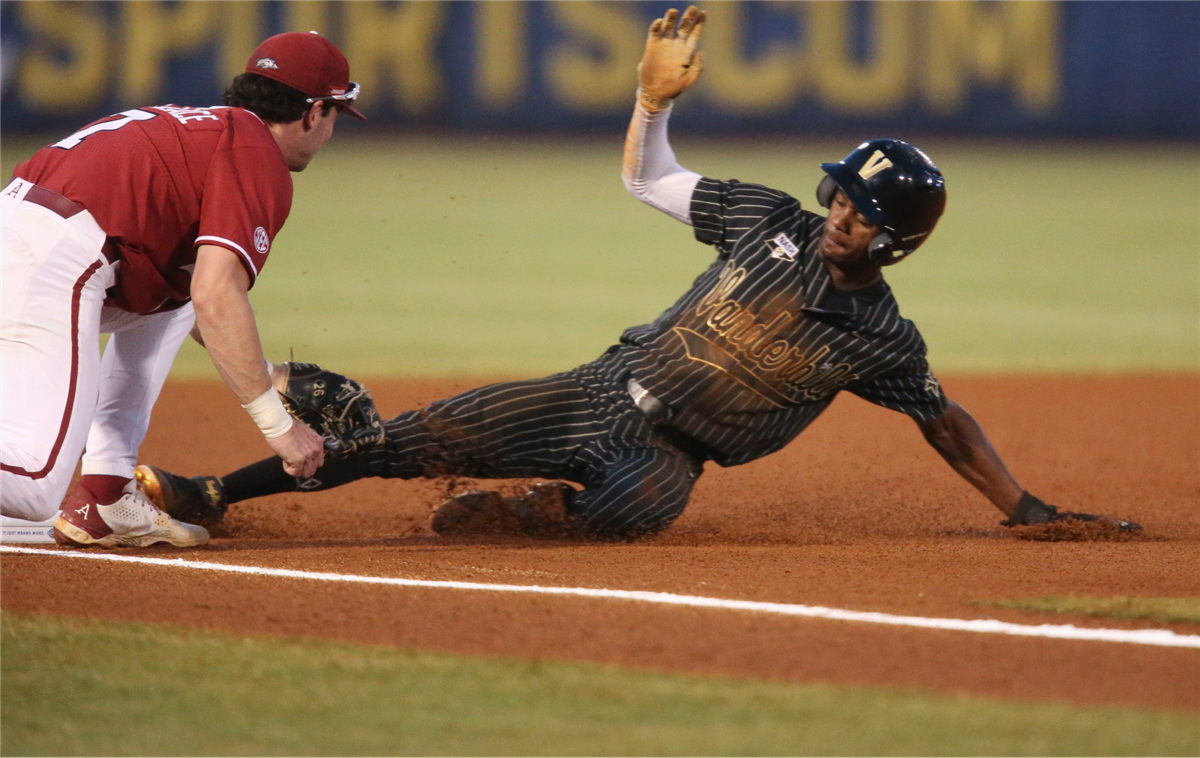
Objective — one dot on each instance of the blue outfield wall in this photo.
(1094, 69)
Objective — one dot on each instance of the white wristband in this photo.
(268, 412)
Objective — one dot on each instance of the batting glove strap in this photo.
(653, 104)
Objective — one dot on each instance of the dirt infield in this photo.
(858, 513)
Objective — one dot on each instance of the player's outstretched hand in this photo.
(1033, 519)
(302, 450)
(671, 62)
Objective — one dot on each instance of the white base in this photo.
(20, 530)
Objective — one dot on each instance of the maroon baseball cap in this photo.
(309, 63)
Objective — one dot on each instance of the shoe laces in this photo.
(133, 497)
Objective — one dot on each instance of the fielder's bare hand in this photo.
(302, 450)
(670, 63)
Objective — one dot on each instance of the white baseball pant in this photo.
(54, 387)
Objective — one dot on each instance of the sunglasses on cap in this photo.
(347, 98)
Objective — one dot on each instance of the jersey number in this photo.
(106, 126)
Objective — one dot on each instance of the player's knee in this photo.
(629, 527)
(645, 508)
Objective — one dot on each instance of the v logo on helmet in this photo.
(874, 165)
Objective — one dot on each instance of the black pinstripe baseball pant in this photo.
(580, 425)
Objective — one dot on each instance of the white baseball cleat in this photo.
(132, 521)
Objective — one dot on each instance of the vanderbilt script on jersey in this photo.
(762, 342)
(749, 350)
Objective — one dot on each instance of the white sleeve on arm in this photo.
(650, 171)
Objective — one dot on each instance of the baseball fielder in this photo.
(793, 310)
(144, 225)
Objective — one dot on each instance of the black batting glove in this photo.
(1031, 511)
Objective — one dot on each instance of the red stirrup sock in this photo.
(104, 489)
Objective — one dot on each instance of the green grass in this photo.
(418, 256)
(85, 687)
(1167, 610)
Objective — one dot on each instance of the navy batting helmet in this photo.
(895, 186)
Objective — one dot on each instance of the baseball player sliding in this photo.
(144, 225)
(793, 310)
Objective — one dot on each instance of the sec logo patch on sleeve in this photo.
(262, 243)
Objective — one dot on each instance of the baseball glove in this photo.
(336, 407)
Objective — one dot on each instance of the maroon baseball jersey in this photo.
(162, 181)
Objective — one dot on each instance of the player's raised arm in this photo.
(960, 440)
(669, 66)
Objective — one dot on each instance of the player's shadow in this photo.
(415, 542)
(243, 544)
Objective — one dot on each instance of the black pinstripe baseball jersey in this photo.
(763, 341)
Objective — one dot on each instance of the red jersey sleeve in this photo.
(247, 195)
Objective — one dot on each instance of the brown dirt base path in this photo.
(858, 513)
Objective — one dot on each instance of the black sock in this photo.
(267, 477)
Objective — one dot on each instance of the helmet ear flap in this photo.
(826, 191)
(882, 250)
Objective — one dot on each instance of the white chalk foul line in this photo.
(1157, 637)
